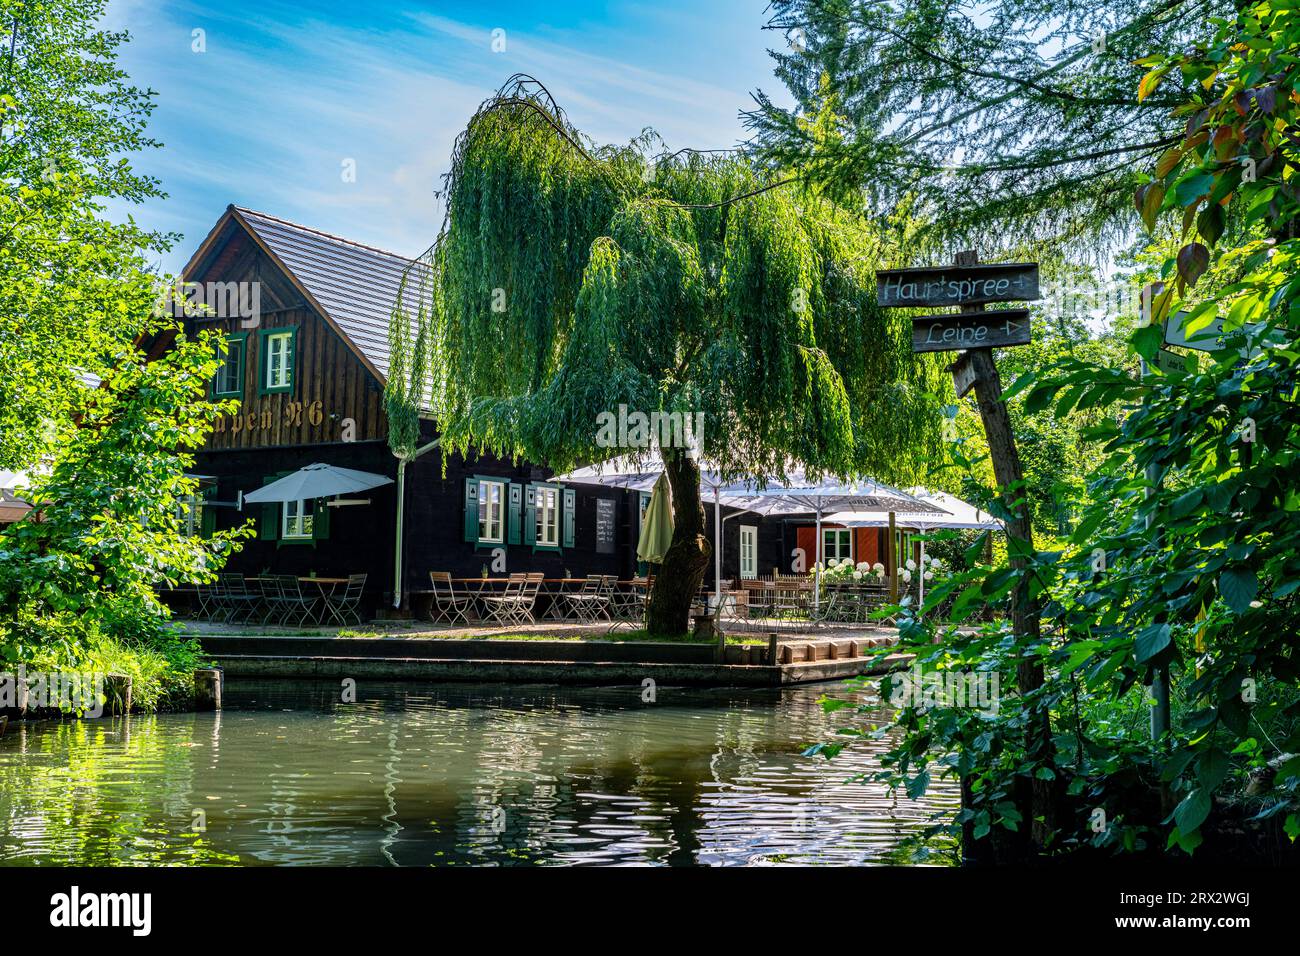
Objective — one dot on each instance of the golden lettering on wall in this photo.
(262, 419)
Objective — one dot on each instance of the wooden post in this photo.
(1020, 541)
(117, 691)
(208, 685)
(773, 648)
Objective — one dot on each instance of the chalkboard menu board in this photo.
(604, 526)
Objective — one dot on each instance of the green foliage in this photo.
(74, 287)
(570, 280)
(1186, 555)
(1022, 120)
(78, 575)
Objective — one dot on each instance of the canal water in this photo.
(420, 775)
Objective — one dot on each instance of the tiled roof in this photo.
(353, 284)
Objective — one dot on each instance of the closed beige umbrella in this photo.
(657, 530)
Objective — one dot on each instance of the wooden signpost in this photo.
(963, 375)
(970, 286)
(958, 285)
(970, 330)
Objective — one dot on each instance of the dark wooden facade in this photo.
(332, 384)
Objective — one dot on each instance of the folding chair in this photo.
(523, 610)
(217, 607)
(292, 606)
(449, 605)
(583, 603)
(269, 591)
(501, 608)
(348, 604)
(203, 594)
(240, 602)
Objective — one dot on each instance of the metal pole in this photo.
(891, 556)
(401, 522)
(920, 582)
(401, 516)
(717, 553)
(817, 568)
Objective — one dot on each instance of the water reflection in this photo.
(416, 775)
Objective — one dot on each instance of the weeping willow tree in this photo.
(569, 280)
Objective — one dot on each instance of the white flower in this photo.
(936, 563)
(911, 565)
(833, 562)
(907, 576)
(929, 575)
(878, 568)
(863, 566)
(857, 575)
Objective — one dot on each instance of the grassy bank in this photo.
(161, 667)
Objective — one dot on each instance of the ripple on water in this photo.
(418, 776)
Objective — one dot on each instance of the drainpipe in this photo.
(401, 517)
(717, 553)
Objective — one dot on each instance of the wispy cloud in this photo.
(282, 97)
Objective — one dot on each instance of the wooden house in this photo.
(308, 370)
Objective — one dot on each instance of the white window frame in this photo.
(486, 515)
(547, 506)
(294, 515)
(847, 534)
(284, 354)
(749, 551)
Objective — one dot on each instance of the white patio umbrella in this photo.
(317, 481)
(956, 514)
(799, 494)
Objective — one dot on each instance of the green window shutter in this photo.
(570, 501)
(514, 514)
(293, 364)
(207, 516)
(471, 510)
(320, 521)
(269, 526)
(530, 515)
(236, 344)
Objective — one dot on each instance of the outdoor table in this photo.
(327, 588)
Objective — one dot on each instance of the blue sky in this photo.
(285, 93)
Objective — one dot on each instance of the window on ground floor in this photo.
(837, 543)
(298, 518)
(548, 517)
(748, 551)
(491, 511)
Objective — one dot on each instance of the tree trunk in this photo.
(679, 578)
(1024, 611)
